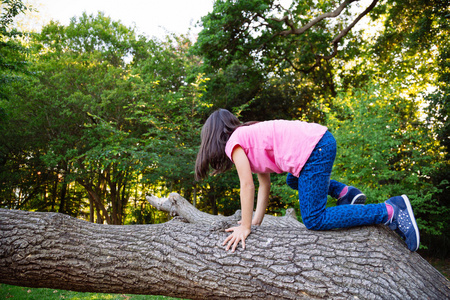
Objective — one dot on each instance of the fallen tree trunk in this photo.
(187, 260)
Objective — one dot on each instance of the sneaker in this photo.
(403, 221)
(353, 196)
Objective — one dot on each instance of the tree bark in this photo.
(281, 261)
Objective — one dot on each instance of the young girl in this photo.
(306, 151)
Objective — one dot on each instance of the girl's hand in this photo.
(239, 234)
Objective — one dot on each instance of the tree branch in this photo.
(360, 16)
(303, 29)
(176, 205)
(335, 41)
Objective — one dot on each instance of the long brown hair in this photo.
(215, 133)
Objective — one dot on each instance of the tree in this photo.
(438, 111)
(12, 70)
(169, 107)
(279, 59)
(103, 104)
(283, 261)
(12, 52)
(69, 116)
(267, 33)
(389, 106)
(386, 149)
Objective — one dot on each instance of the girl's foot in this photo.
(403, 221)
(353, 196)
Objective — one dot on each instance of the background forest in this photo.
(94, 116)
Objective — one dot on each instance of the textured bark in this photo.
(187, 260)
(176, 205)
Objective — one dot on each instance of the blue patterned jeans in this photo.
(314, 185)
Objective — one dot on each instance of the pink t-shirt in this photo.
(276, 146)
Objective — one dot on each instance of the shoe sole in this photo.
(413, 220)
(359, 199)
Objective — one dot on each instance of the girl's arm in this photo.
(241, 232)
(263, 198)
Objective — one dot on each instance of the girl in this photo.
(306, 151)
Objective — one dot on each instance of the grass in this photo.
(17, 292)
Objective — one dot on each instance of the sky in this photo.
(154, 18)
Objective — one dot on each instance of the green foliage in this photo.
(282, 196)
(414, 48)
(254, 32)
(387, 150)
(109, 112)
(77, 130)
(12, 52)
(252, 60)
(169, 108)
